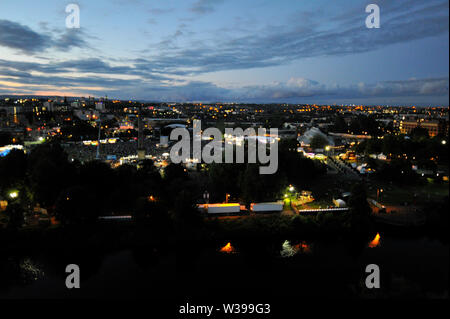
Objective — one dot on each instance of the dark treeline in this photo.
(418, 145)
(76, 192)
(418, 149)
(47, 177)
(164, 203)
(243, 181)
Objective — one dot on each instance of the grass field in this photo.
(397, 195)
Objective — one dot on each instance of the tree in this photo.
(419, 133)
(369, 146)
(75, 205)
(185, 213)
(175, 172)
(358, 201)
(224, 179)
(15, 214)
(398, 171)
(154, 214)
(5, 138)
(13, 168)
(252, 184)
(148, 179)
(340, 126)
(318, 141)
(98, 180)
(364, 124)
(49, 172)
(126, 188)
(294, 168)
(359, 209)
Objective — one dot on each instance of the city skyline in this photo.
(283, 52)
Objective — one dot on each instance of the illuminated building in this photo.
(433, 127)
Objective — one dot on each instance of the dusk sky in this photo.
(298, 51)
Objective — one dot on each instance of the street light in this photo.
(13, 194)
(291, 188)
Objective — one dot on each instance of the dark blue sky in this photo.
(228, 50)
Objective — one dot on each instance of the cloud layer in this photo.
(22, 38)
(169, 69)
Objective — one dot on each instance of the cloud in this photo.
(17, 36)
(71, 38)
(91, 65)
(97, 77)
(160, 11)
(259, 48)
(143, 80)
(298, 88)
(416, 87)
(164, 74)
(20, 37)
(82, 66)
(280, 45)
(205, 6)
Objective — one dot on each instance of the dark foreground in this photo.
(251, 270)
